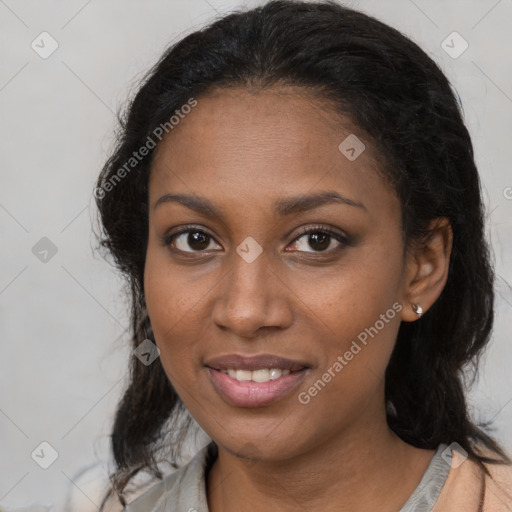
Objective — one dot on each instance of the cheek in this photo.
(358, 311)
(169, 297)
(167, 305)
(354, 294)
(360, 328)
(176, 305)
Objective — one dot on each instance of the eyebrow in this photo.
(283, 207)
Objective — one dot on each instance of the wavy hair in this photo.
(400, 98)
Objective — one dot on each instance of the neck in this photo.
(367, 469)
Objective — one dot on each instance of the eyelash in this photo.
(167, 240)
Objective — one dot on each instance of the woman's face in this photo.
(243, 280)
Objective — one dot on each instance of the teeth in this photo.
(275, 373)
(243, 375)
(260, 375)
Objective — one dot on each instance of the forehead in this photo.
(271, 143)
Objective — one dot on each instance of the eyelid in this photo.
(167, 238)
(324, 229)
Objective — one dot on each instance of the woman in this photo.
(291, 200)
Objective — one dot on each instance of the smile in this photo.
(260, 375)
(245, 388)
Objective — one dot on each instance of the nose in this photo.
(252, 296)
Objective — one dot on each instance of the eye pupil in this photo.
(322, 239)
(195, 237)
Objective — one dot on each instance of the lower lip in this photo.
(254, 394)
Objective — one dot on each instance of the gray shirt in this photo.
(184, 490)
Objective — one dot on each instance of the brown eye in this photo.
(193, 239)
(320, 240)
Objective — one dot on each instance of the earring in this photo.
(417, 309)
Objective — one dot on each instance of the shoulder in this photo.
(468, 488)
(498, 495)
(184, 489)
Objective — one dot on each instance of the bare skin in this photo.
(244, 151)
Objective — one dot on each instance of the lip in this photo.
(254, 394)
(242, 362)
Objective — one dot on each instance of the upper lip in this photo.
(256, 362)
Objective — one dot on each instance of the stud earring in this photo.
(417, 309)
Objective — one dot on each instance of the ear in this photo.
(427, 264)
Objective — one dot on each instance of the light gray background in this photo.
(63, 351)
